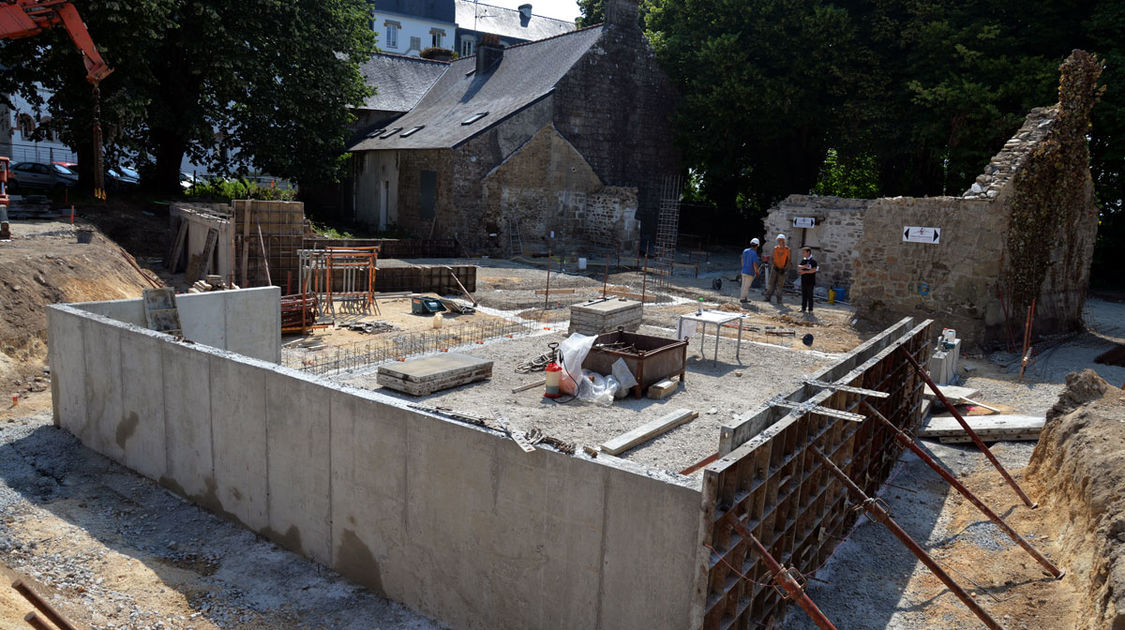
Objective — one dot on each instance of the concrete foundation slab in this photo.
(421, 377)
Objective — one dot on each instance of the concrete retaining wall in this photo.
(451, 519)
(247, 321)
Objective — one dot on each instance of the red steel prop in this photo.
(972, 434)
(878, 513)
(908, 442)
(793, 589)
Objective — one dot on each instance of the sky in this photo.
(561, 9)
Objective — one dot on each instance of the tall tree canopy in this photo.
(258, 83)
(915, 94)
(593, 12)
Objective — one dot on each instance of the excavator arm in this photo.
(26, 18)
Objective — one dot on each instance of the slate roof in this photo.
(486, 18)
(526, 74)
(400, 81)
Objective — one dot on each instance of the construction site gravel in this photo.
(111, 549)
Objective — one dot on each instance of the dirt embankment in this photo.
(1080, 465)
(45, 264)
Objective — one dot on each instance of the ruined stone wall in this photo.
(953, 281)
(615, 107)
(1023, 233)
(834, 240)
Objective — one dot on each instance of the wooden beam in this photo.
(647, 431)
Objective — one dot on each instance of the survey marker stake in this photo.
(968, 430)
(907, 441)
(789, 585)
(877, 512)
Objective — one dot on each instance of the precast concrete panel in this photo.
(238, 432)
(253, 322)
(103, 387)
(140, 430)
(66, 355)
(187, 420)
(298, 443)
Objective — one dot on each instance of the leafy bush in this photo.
(220, 189)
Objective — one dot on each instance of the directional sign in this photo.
(804, 222)
(912, 234)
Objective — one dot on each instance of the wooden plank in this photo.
(996, 426)
(178, 246)
(953, 393)
(647, 431)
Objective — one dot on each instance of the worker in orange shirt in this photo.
(779, 267)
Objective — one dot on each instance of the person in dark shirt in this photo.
(807, 269)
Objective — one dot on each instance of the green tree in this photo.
(1104, 26)
(854, 178)
(593, 12)
(255, 83)
(763, 82)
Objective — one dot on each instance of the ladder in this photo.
(514, 238)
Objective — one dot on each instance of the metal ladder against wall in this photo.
(668, 224)
(514, 238)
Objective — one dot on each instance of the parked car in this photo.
(69, 165)
(35, 175)
(120, 178)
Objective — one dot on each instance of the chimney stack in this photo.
(625, 13)
(525, 14)
(489, 53)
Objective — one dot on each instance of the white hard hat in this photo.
(755, 241)
(780, 236)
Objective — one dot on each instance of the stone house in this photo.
(512, 26)
(566, 137)
(1023, 232)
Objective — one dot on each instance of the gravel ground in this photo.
(719, 391)
(112, 549)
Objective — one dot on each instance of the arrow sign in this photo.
(912, 234)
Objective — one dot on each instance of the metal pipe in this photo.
(879, 514)
(793, 589)
(968, 430)
(36, 622)
(1027, 338)
(605, 280)
(644, 278)
(910, 443)
(547, 294)
(42, 605)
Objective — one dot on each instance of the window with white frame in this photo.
(466, 47)
(392, 34)
(415, 45)
(435, 37)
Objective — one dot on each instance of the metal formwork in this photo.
(769, 480)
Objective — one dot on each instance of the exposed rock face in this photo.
(1080, 464)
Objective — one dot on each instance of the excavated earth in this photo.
(1079, 465)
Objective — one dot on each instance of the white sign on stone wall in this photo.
(804, 222)
(913, 234)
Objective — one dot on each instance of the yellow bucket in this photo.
(831, 296)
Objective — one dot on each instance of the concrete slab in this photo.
(421, 377)
(253, 322)
(202, 317)
(996, 427)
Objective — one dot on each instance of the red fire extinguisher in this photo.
(553, 374)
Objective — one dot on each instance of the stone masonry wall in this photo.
(615, 107)
(548, 187)
(834, 240)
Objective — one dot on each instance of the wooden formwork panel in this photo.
(774, 485)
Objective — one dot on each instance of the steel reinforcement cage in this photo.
(768, 478)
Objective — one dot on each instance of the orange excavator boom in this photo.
(26, 18)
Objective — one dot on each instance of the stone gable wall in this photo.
(615, 106)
